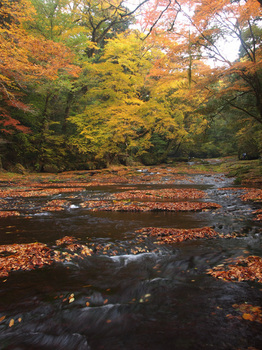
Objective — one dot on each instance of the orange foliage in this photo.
(161, 193)
(24, 257)
(4, 214)
(18, 193)
(25, 60)
(17, 257)
(258, 214)
(174, 235)
(248, 312)
(187, 29)
(149, 206)
(253, 194)
(242, 269)
(55, 205)
(65, 240)
(250, 194)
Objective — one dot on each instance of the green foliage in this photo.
(52, 18)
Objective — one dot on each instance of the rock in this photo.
(50, 168)
(19, 169)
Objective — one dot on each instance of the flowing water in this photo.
(159, 298)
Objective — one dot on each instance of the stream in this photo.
(131, 294)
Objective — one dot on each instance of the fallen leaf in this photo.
(247, 317)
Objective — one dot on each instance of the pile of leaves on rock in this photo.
(148, 206)
(241, 269)
(29, 256)
(174, 235)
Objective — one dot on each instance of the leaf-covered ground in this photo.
(15, 257)
(171, 193)
(129, 206)
(173, 235)
(242, 269)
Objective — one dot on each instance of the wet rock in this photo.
(65, 341)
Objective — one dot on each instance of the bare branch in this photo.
(157, 20)
(132, 12)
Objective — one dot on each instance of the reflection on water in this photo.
(159, 299)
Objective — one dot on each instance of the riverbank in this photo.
(244, 171)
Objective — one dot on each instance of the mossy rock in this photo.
(50, 168)
(19, 169)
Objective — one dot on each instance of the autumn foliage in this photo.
(242, 269)
(247, 312)
(25, 61)
(149, 206)
(89, 84)
(161, 193)
(29, 256)
(172, 235)
(24, 257)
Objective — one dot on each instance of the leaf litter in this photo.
(129, 206)
(241, 269)
(174, 235)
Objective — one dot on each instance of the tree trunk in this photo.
(69, 100)
(165, 154)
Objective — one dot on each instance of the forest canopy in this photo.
(89, 83)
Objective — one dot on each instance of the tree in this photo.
(127, 107)
(240, 82)
(14, 63)
(52, 18)
(212, 22)
(199, 29)
(25, 61)
(109, 125)
(102, 20)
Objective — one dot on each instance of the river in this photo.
(131, 294)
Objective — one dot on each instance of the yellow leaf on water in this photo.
(247, 317)
(12, 322)
(256, 309)
(2, 318)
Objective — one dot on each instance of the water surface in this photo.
(160, 298)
